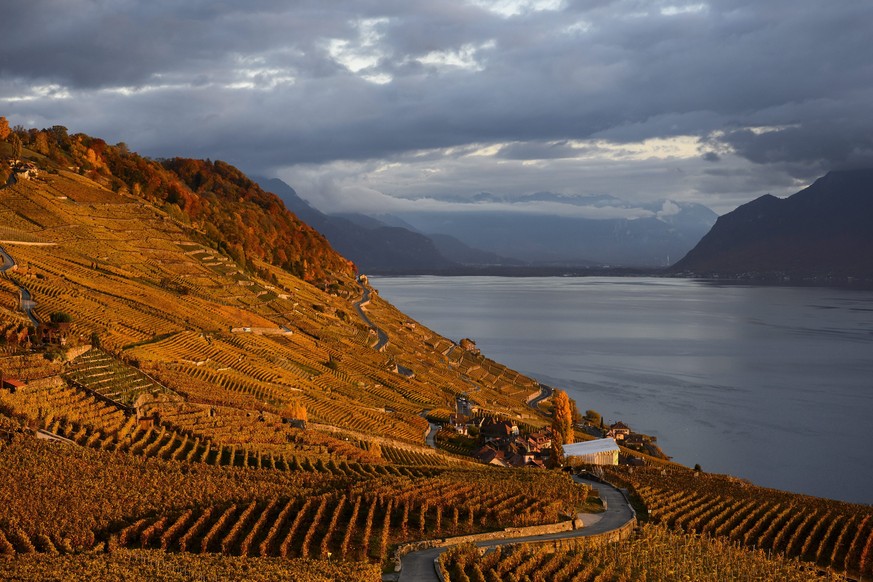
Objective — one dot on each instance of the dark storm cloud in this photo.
(271, 83)
(533, 150)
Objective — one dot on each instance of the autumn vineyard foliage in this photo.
(359, 523)
(190, 391)
(146, 566)
(174, 506)
(654, 553)
(823, 532)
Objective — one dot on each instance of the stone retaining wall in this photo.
(508, 533)
(615, 535)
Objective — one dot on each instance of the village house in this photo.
(618, 431)
(53, 333)
(504, 445)
(635, 440)
(470, 346)
(459, 423)
(491, 456)
(25, 170)
(492, 429)
(12, 384)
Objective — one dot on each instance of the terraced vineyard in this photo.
(830, 534)
(143, 565)
(194, 321)
(360, 524)
(655, 553)
(354, 511)
(99, 372)
(191, 433)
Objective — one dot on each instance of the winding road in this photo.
(430, 438)
(545, 392)
(359, 306)
(27, 302)
(419, 566)
(27, 305)
(8, 261)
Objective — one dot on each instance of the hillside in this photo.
(216, 364)
(821, 232)
(145, 283)
(183, 406)
(225, 209)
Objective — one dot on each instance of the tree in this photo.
(563, 416)
(593, 417)
(16, 147)
(295, 410)
(556, 456)
(574, 412)
(60, 317)
(4, 128)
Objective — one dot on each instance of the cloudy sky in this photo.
(382, 105)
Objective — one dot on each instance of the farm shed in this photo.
(596, 452)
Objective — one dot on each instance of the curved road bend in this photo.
(545, 392)
(27, 302)
(430, 438)
(430, 435)
(419, 566)
(381, 335)
(7, 261)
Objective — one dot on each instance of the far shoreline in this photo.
(750, 279)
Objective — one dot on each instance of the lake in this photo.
(773, 384)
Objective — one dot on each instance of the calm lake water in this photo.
(773, 384)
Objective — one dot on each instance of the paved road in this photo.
(381, 335)
(545, 392)
(430, 439)
(7, 261)
(27, 303)
(419, 566)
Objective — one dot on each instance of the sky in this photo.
(391, 105)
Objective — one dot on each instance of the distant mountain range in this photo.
(580, 231)
(825, 230)
(372, 245)
(576, 231)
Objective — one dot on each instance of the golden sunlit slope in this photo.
(169, 369)
(139, 280)
(172, 370)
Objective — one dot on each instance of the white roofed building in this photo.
(596, 452)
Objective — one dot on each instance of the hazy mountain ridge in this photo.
(540, 229)
(822, 231)
(372, 245)
(651, 236)
(448, 246)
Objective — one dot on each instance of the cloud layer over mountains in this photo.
(364, 104)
